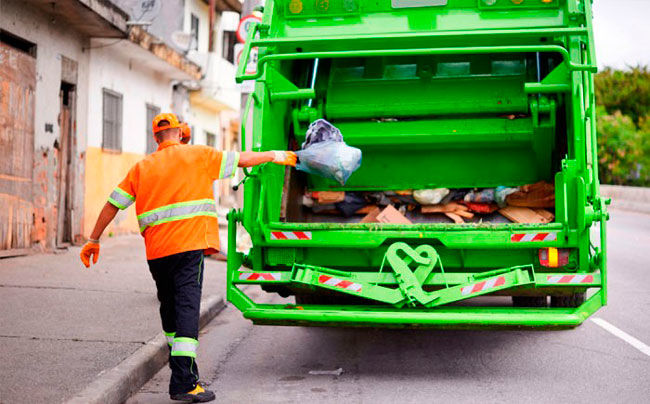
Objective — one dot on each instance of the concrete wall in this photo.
(202, 121)
(202, 11)
(53, 41)
(166, 17)
(114, 68)
(121, 69)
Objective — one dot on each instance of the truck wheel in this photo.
(574, 300)
(529, 301)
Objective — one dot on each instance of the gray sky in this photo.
(622, 32)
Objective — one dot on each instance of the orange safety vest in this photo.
(174, 200)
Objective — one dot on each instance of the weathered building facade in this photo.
(43, 117)
(129, 83)
(213, 109)
(78, 82)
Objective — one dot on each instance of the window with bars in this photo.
(229, 41)
(112, 121)
(152, 111)
(194, 30)
(210, 139)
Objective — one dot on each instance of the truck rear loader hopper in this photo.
(429, 107)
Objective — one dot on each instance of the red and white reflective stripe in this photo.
(339, 283)
(290, 235)
(528, 237)
(483, 286)
(570, 279)
(257, 276)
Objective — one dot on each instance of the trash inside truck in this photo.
(476, 203)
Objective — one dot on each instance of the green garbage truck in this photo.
(462, 96)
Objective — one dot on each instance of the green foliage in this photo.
(626, 91)
(622, 150)
(623, 124)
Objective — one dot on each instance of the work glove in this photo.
(284, 158)
(90, 249)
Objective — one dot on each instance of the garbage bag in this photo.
(319, 131)
(430, 196)
(480, 196)
(330, 159)
(501, 193)
(353, 201)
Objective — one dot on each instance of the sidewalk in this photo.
(61, 325)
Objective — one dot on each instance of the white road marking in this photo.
(622, 335)
(336, 372)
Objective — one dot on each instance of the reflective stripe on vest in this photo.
(229, 162)
(177, 211)
(184, 346)
(121, 199)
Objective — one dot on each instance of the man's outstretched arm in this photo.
(250, 159)
(91, 248)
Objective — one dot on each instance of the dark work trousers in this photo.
(178, 279)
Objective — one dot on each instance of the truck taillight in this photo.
(517, 1)
(552, 257)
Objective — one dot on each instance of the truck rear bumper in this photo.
(445, 317)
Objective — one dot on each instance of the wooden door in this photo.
(17, 85)
(64, 186)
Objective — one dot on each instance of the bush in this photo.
(623, 124)
(625, 91)
(622, 150)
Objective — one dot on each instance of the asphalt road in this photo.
(262, 364)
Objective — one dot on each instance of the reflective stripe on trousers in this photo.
(170, 337)
(184, 346)
(177, 211)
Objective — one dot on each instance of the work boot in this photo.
(198, 395)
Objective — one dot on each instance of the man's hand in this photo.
(284, 158)
(90, 249)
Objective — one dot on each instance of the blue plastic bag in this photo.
(330, 159)
(320, 131)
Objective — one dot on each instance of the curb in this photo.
(116, 385)
(635, 199)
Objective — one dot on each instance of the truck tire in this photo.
(529, 301)
(574, 300)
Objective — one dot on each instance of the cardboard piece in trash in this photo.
(526, 215)
(456, 218)
(371, 217)
(392, 215)
(388, 215)
(366, 209)
(329, 197)
(442, 208)
(548, 216)
(538, 195)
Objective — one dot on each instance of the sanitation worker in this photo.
(174, 202)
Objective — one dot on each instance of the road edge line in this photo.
(612, 329)
(116, 385)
